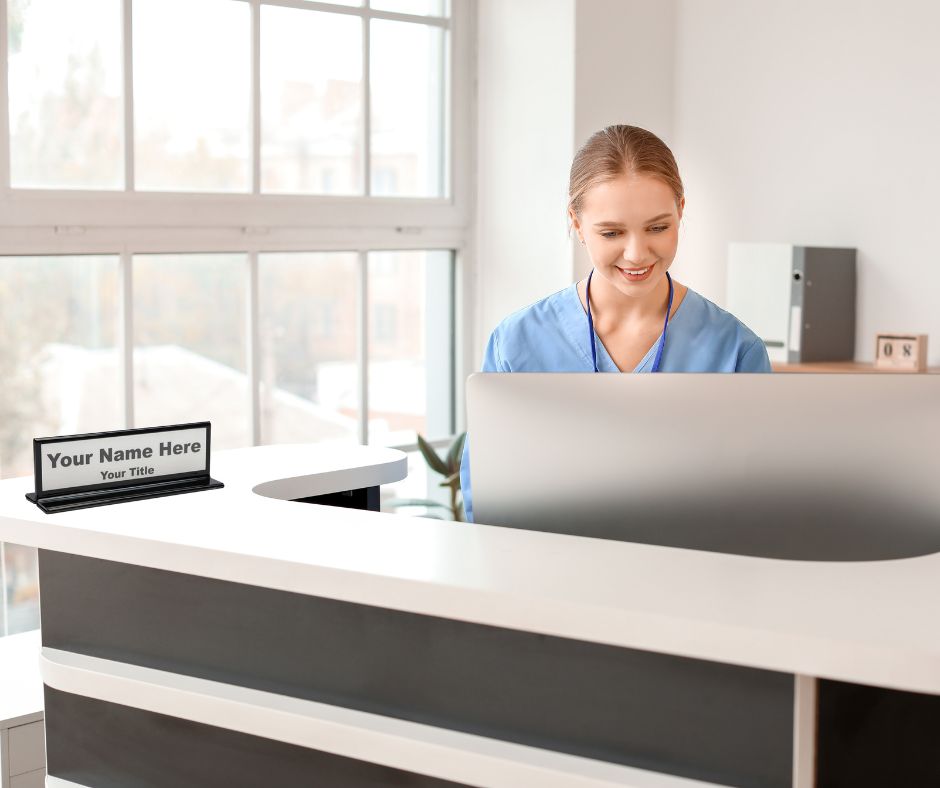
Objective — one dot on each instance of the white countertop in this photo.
(868, 622)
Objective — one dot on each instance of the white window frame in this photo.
(125, 223)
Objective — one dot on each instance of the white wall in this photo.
(815, 122)
(525, 67)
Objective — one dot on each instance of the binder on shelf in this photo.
(799, 299)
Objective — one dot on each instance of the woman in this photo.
(625, 201)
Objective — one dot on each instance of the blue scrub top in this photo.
(551, 335)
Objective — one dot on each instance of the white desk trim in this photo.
(423, 749)
(805, 707)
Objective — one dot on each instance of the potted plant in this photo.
(447, 466)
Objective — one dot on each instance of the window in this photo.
(407, 91)
(58, 351)
(191, 100)
(312, 117)
(309, 330)
(19, 591)
(59, 374)
(66, 107)
(190, 357)
(410, 346)
(204, 235)
(385, 317)
(343, 91)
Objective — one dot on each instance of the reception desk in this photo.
(258, 636)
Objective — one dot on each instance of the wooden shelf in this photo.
(841, 367)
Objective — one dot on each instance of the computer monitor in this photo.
(829, 467)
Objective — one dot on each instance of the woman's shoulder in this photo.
(539, 337)
(704, 314)
(714, 340)
(546, 304)
(538, 313)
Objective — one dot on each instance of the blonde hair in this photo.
(619, 150)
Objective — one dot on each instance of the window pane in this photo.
(309, 380)
(311, 102)
(65, 82)
(21, 572)
(58, 352)
(407, 70)
(422, 7)
(410, 346)
(192, 90)
(189, 343)
(59, 373)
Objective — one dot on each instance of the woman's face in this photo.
(630, 226)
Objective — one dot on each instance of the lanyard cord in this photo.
(662, 341)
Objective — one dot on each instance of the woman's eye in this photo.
(659, 228)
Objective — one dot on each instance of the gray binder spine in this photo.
(829, 305)
(798, 325)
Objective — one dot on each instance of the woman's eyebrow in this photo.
(620, 224)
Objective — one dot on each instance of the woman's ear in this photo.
(681, 207)
(575, 225)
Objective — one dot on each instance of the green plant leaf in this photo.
(455, 453)
(396, 502)
(449, 481)
(431, 457)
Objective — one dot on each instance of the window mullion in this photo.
(366, 106)
(446, 97)
(128, 52)
(126, 284)
(362, 345)
(362, 11)
(5, 140)
(255, 96)
(254, 347)
(452, 371)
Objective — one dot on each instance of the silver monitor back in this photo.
(801, 466)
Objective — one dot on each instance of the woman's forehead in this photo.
(628, 199)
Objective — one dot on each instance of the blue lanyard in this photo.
(662, 341)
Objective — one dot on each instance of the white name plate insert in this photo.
(76, 471)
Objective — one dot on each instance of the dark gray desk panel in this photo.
(360, 498)
(104, 745)
(870, 737)
(688, 717)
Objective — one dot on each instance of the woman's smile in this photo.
(636, 274)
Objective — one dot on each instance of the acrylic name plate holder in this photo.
(78, 471)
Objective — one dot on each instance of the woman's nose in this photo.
(634, 251)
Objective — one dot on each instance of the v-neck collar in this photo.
(577, 328)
